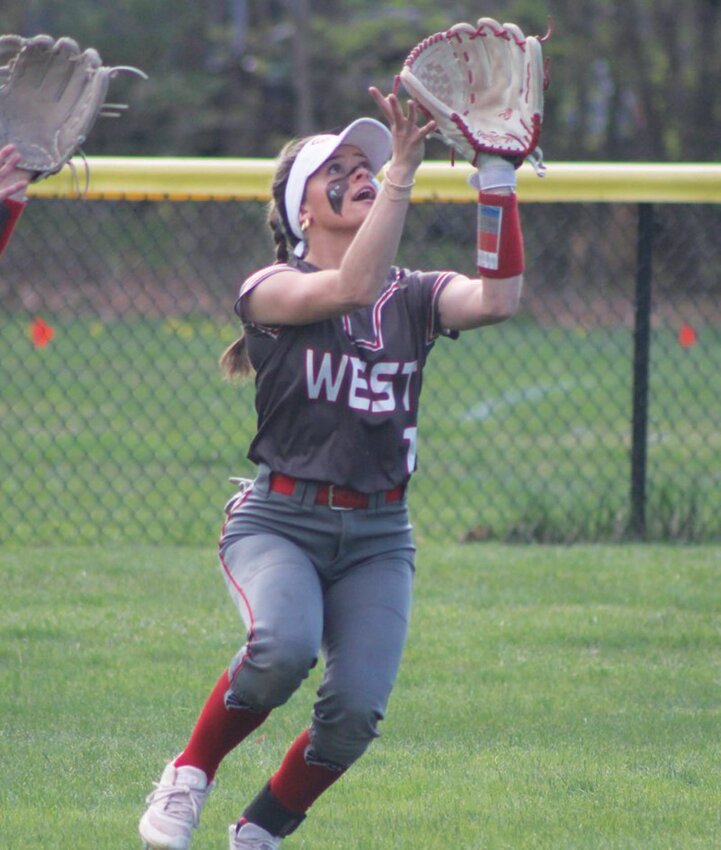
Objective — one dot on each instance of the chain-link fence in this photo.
(117, 426)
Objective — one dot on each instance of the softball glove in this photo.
(51, 94)
(483, 85)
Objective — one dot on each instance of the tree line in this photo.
(630, 80)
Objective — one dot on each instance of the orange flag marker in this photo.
(41, 332)
(687, 336)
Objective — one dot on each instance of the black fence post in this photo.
(641, 357)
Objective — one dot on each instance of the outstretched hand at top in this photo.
(408, 136)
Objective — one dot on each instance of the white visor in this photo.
(372, 137)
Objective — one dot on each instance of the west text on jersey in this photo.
(377, 388)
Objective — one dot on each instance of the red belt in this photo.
(335, 497)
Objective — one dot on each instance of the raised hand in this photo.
(409, 137)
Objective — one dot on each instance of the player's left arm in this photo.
(495, 294)
(467, 303)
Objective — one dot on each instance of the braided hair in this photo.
(234, 361)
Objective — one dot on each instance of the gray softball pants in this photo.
(306, 579)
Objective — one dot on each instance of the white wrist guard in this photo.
(494, 172)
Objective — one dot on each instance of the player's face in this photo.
(342, 191)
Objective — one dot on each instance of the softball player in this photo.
(317, 551)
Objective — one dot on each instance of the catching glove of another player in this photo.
(51, 94)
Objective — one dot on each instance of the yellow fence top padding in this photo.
(140, 178)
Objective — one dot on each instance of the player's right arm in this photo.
(13, 183)
(295, 298)
(292, 297)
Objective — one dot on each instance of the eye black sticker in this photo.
(335, 192)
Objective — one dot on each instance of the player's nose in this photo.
(361, 172)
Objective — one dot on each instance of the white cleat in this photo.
(249, 836)
(174, 808)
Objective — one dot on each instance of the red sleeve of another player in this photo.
(10, 212)
(500, 240)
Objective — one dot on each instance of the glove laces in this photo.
(535, 158)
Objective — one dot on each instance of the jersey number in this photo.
(409, 435)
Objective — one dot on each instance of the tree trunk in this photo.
(299, 11)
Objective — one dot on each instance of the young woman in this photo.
(317, 550)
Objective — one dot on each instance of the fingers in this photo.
(382, 102)
(398, 116)
(9, 158)
(11, 180)
(13, 189)
(408, 136)
(427, 128)
(414, 113)
(392, 108)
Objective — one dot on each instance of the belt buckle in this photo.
(332, 505)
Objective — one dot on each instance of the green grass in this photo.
(550, 697)
(127, 426)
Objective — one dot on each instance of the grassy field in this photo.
(550, 697)
(126, 426)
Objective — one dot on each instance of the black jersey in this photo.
(337, 400)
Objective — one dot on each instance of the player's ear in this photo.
(304, 217)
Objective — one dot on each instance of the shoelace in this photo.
(182, 800)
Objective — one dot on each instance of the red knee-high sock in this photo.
(218, 730)
(296, 784)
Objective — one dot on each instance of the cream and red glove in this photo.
(484, 87)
